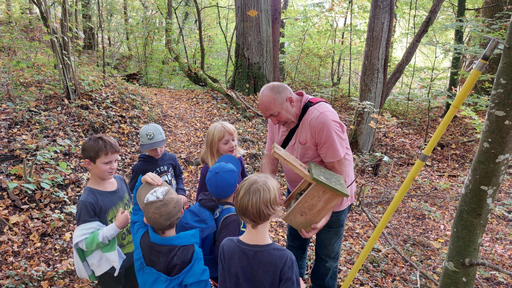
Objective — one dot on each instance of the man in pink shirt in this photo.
(321, 138)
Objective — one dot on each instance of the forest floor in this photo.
(42, 178)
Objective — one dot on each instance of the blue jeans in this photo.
(327, 250)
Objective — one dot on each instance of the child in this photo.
(102, 241)
(253, 260)
(162, 258)
(214, 213)
(221, 139)
(156, 160)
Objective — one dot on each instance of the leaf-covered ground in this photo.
(42, 178)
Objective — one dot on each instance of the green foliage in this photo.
(47, 179)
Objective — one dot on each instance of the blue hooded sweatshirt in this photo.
(167, 167)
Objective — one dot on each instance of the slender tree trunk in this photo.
(492, 13)
(196, 76)
(100, 23)
(276, 35)
(282, 52)
(8, 10)
(200, 29)
(373, 72)
(483, 182)
(126, 25)
(253, 50)
(457, 55)
(57, 39)
(64, 28)
(88, 28)
(411, 49)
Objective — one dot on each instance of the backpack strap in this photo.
(222, 212)
(311, 102)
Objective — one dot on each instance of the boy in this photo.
(162, 258)
(215, 206)
(102, 241)
(265, 264)
(158, 161)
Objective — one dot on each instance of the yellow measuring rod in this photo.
(457, 102)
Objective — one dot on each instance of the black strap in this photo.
(312, 102)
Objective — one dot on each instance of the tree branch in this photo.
(236, 96)
(416, 266)
(411, 50)
(469, 262)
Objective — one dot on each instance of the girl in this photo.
(220, 140)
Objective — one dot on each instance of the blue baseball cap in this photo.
(222, 178)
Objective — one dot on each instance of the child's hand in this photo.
(122, 219)
(302, 285)
(184, 200)
(152, 178)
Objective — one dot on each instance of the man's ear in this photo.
(146, 221)
(87, 163)
(290, 101)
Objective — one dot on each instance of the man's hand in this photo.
(315, 227)
(122, 219)
(184, 200)
(152, 178)
(269, 164)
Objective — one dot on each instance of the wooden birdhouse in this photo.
(317, 194)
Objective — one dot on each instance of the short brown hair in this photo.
(257, 199)
(170, 226)
(96, 146)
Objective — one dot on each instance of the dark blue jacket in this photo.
(167, 167)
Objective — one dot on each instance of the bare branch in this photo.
(469, 262)
(416, 266)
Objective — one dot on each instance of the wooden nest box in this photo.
(317, 194)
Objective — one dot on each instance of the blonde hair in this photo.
(210, 152)
(257, 199)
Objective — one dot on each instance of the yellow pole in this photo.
(457, 102)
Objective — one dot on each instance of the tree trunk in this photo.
(373, 72)
(457, 55)
(484, 179)
(282, 52)
(126, 24)
(200, 32)
(411, 50)
(276, 35)
(196, 76)
(492, 13)
(8, 10)
(87, 25)
(57, 39)
(253, 49)
(100, 24)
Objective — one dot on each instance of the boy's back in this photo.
(163, 260)
(258, 266)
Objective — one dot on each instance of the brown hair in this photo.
(257, 199)
(210, 152)
(96, 146)
(168, 227)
